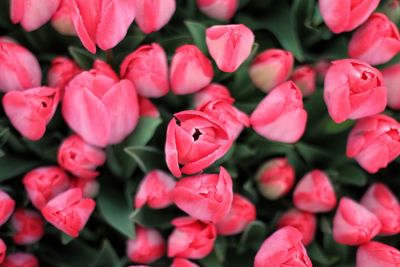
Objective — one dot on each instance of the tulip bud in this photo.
(218, 9)
(3, 250)
(322, 68)
(191, 238)
(271, 68)
(392, 10)
(391, 75)
(28, 227)
(271, 116)
(229, 45)
(7, 205)
(283, 248)
(61, 72)
(304, 222)
(213, 91)
(353, 224)
(383, 203)
(275, 178)
(305, 78)
(190, 70)
(147, 69)
(90, 188)
(147, 247)
(375, 254)
(80, 158)
(180, 262)
(42, 184)
(69, 211)
(147, 108)
(151, 16)
(20, 260)
(155, 190)
(62, 20)
(314, 193)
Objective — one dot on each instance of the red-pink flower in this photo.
(147, 246)
(44, 183)
(375, 254)
(213, 91)
(391, 75)
(181, 262)
(3, 250)
(191, 238)
(7, 205)
(195, 140)
(20, 260)
(147, 108)
(304, 222)
(90, 187)
(271, 116)
(207, 197)
(353, 90)
(305, 77)
(31, 110)
(151, 16)
(69, 211)
(28, 227)
(218, 9)
(283, 248)
(147, 69)
(374, 142)
(353, 224)
(229, 45)
(62, 18)
(61, 72)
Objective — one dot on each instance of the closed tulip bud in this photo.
(271, 68)
(275, 178)
(42, 184)
(191, 238)
(345, 16)
(7, 205)
(304, 222)
(32, 14)
(198, 132)
(229, 45)
(20, 260)
(147, 69)
(31, 110)
(375, 254)
(28, 227)
(180, 262)
(155, 190)
(322, 68)
(100, 109)
(213, 91)
(305, 77)
(392, 10)
(240, 215)
(151, 16)
(147, 108)
(61, 72)
(218, 9)
(3, 250)
(190, 70)
(147, 247)
(391, 75)
(102, 68)
(314, 193)
(353, 90)
(90, 187)
(271, 116)
(353, 224)
(383, 203)
(62, 19)
(376, 42)
(102, 22)
(69, 211)
(374, 142)
(80, 158)
(283, 248)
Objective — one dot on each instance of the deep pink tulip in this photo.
(28, 227)
(3, 250)
(61, 72)
(305, 77)
(218, 9)
(213, 91)
(375, 254)
(147, 108)
(181, 262)
(62, 18)
(151, 16)
(20, 260)
(391, 75)
(7, 205)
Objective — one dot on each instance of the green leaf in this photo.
(45, 148)
(147, 158)
(107, 256)
(12, 166)
(330, 127)
(154, 218)
(352, 175)
(82, 57)
(4, 135)
(318, 255)
(198, 33)
(66, 239)
(252, 237)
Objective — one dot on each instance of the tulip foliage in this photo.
(199, 133)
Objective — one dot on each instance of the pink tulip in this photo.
(322, 68)
(218, 9)
(353, 224)
(31, 110)
(20, 260)
(190, 70)
(180, 262)
(147, 108)
(375, 254)
(383, 203)
(102, 22)
(353, 90)
(89, 187)
(314, 193)
(69, 212)
(391, 75)
(147, 69)
(80, 158)
(202, 135)
(148, 246)
(3, 250)
(275, 178)
(240, 215)
(229, 45)
(19, 68)
(44, 183)
(32, 14)
(346, 15)
(62, 20)
(271, 68)
(304, 222)
(155, 190)
(305, 77)
(374, 142)
(283, 248)
(7, 205)
(61, 72)
(206, 197)
(213, 91)
(191, 238)
(271, 116)
(151, 16)
(28, 227)
(101, 110)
